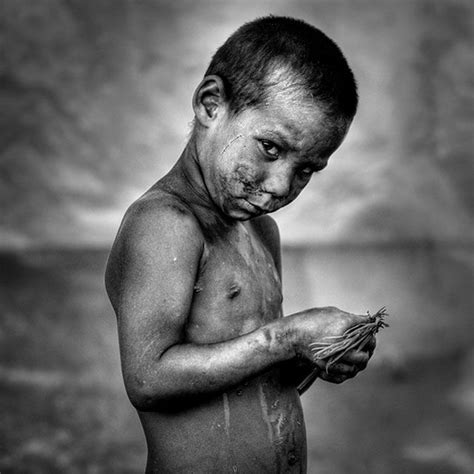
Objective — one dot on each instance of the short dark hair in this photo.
(258, 48)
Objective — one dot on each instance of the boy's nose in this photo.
(278, 184)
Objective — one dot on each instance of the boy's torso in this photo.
(238, 288)
(257, 426)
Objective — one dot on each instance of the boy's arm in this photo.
(150, 279)
(303, 372)
(300, 370)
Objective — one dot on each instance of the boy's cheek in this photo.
(248, 179)
(241, 179)
(294, 193)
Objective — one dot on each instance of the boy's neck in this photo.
(188, 171)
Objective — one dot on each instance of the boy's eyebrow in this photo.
(284, 140)
(322, 161)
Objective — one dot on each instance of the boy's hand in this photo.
(349, 366)
(318, 323)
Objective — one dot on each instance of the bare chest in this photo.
(237, 290)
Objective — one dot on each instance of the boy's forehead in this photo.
(281, 79)
(296, 124)
(291, 117)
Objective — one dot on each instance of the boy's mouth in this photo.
(258, 209)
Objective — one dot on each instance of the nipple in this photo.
(234, 291)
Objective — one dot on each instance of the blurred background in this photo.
(95, 106)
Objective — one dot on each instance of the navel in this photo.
(292, 458)
(234, 291)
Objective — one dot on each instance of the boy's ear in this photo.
(209, 99)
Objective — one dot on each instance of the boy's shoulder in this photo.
(159, 214)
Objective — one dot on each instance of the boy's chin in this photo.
(242, 210)
(240, 215)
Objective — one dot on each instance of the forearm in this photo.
(190, 370)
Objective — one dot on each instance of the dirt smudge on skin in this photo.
(247, 179)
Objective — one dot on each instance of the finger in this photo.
(333, 378)
(359, 318)
(349, 370)
(321, 365)
(369, 346)
(357, 358)
(334, 369)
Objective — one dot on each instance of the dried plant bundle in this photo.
(356, 337)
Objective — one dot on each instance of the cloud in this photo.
(95, 107)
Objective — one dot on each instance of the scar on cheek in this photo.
(230, 143)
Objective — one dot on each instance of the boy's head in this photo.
(301, 54)
(275, 103)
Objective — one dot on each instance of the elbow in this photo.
(143, 395)
(141, 399)
(146, 396)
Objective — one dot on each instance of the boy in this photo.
(194, 274)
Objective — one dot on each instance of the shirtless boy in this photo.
(209, 361)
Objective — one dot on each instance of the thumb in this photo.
(360, 319)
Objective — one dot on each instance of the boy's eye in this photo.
(306, 172)
(272, 150)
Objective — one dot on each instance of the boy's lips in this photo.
(259, 209)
